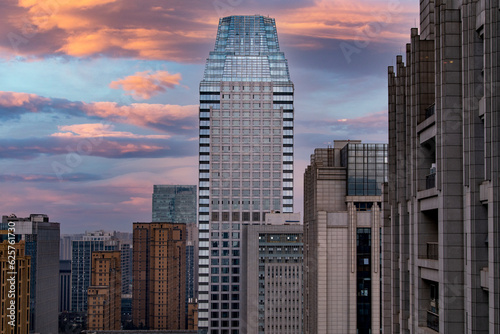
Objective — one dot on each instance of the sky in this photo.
(99, 98)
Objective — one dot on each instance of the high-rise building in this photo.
(104, 292)
(441, 229)
(174, 203)
(342, 213)
(177, 204)
(64, 285)
(41, 238)
(159, 276)
(272, 277)
(15, 292)
(246, 157)
(81, 265)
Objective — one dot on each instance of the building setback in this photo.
(441, 230)
(104, 292)
(273, 275)
(159, 276)
(81, 265)
(14, 287)
(342, 201)
(246, 157)
(41, 238)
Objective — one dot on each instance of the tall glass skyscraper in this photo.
(246, 158)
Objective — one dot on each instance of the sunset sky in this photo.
(99, 98)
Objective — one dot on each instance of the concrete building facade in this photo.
(245, 156)
(441, 234)
(272, 275)
(15, 276)
(159, 276)
(342, 214)
(41, 238)
(104, 292)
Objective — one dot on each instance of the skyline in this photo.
(130, 74)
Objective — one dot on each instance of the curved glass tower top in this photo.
(246, 49)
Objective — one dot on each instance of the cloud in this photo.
(173, 119)
(184, 31)
(99, 130)
(75, 148)
(144, 85)
(73, 177)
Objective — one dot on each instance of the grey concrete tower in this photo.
(441, 232)
(246, 157)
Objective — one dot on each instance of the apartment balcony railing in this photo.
(433, 321)
(429, 111)
(430, 181)
(432, 251)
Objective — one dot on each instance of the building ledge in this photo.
(484, 275)
(485, 193)
(429, 264)
(426, 123)
(428, 199)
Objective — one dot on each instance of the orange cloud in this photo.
(99, 130)
(147, 84)
(141, 114)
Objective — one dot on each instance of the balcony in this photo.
(429, 111)
(432, 251)
(430, 181)
(433, 321)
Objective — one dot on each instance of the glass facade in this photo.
(245, 156)
(174, 204)
(366, 168)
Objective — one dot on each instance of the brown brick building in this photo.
(159, 276)
(104, 292)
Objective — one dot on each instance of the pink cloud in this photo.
(157, 116)
(144, 85)
(99, 130)
(29, 101)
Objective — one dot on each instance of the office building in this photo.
(126, 268)
(81, 265)
(272, 275)
(41, 238)
(104, 293)
(15, 293)
(177, 204)
(342, 213)
(440, 232)
(159, 276)
(174, 203)
(246, 157)
(64, 285)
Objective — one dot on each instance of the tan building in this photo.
(104, 292)
(159, 276)
(14, 284)
(342, 201)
